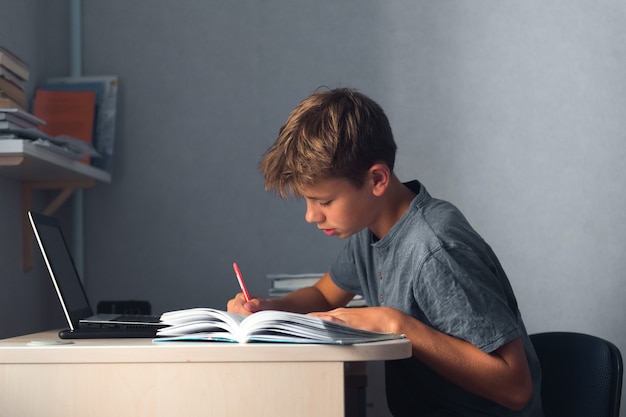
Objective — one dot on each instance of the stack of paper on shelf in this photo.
(14, 119)
(282, 284)
(13, 76)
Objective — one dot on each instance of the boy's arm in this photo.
(322, 296)
(502, 376)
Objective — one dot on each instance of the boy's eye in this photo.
(325, 203)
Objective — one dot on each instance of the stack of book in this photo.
(15, 121)
(283, 284)
(13, 76)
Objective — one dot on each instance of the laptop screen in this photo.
(61, 268)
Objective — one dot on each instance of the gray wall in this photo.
(514, 111)
(36, 30)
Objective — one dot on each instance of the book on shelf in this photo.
(20, 117)
(9, 76)
(11, 124)
(212, 325)
(13, 63)
(8, 103)
(12, 91)
(105, 88)
(67, 113)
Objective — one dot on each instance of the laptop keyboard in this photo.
(146, 318)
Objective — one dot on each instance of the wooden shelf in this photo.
(38, 168)
(25, 161)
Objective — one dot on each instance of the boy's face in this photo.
(338, 207)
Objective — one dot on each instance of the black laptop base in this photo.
(100, 333)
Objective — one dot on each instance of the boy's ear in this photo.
(380, 177)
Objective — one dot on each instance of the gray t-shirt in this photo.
(432, 265)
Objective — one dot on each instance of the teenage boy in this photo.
(420, 266)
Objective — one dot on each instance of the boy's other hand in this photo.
(375, 319)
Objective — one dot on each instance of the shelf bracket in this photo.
(66, 188)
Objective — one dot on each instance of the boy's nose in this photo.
(312, 215)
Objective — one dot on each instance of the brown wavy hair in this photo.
(336, 133)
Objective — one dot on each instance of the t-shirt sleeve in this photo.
(462, 297)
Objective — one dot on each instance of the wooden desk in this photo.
(135, 377)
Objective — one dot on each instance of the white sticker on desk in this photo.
(50, 342)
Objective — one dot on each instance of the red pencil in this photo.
(242, 284)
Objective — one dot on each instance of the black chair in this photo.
(582, 375)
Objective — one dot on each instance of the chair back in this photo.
(581, 375)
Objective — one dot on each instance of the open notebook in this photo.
(69, 288)
(208, 324)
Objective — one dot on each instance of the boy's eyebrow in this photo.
(317, 197)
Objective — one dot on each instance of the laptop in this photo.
(82, 322)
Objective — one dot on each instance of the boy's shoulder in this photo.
(434, 220)
(432, 209)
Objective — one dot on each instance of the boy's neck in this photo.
(395, 204)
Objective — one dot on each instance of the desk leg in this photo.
(356, 389)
